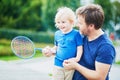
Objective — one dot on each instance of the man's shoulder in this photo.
(105, 40)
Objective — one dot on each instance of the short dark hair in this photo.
(93, 14)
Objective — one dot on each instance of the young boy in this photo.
(68, 44)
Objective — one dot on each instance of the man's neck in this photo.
(95, 34)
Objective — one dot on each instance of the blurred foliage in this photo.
(5, 49)
(44, 37)
(25, 17)
(118, 62)
(107, 7)
(116, 15)
(116, 12)
(38, 15)
(21, 14)
(112, 14)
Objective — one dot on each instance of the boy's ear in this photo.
(71, 21)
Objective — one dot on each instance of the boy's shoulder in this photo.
(75, 30)
(58, 32)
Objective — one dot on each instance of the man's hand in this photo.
(69, 64)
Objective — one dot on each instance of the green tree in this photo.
(21, 14)
(116, 15)
(116, 12)
(107, 7)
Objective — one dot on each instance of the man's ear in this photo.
(91, 26)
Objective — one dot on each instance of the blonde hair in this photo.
(67, 13)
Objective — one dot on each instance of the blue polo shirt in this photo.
(100, 50)
(67, 45)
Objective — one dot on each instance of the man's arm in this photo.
(100, 72)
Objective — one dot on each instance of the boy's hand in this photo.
(74, 59)
(47, 51)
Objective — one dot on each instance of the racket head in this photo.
(23, 47)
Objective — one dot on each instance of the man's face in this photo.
(83, 28)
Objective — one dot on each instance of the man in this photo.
(98, 51)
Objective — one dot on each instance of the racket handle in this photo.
(40, 49)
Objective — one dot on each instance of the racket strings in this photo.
(23, 47)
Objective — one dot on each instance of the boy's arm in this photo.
(79, 53)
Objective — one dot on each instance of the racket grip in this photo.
(40, 49)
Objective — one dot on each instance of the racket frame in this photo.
(30, 42)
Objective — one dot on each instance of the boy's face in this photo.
(64, 25)
(83, 27)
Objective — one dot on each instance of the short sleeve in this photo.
(106, 54)
(79, 39)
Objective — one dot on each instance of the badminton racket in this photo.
(23, 47)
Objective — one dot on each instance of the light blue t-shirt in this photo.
(67, 45)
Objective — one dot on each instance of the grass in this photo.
(118, 62)
(116, 43)
(50, 74)
(10, 58)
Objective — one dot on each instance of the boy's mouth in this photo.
(62, 27)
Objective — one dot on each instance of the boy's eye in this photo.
(63, 21)
(58, 22)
